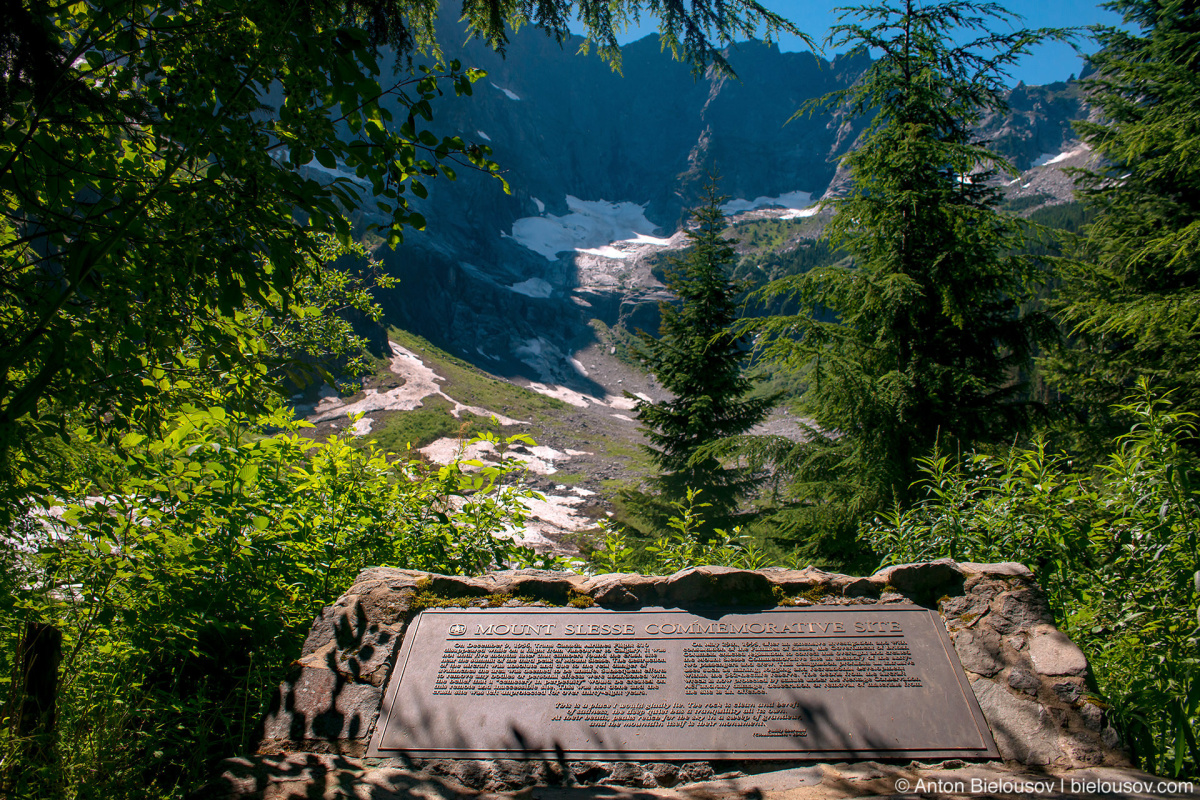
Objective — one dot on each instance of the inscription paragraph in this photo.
(595, 669)
(754, 667)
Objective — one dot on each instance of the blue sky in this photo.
(1049, 63)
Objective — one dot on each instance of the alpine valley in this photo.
(520, 306)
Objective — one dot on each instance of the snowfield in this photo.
(793, 200)
(534, 287)
(1046, 159)
(591, 225)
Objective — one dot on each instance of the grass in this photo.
(470, 385)
(427, 424)
(464, 382)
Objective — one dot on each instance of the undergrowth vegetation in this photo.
(1116, 549)
(183, 585)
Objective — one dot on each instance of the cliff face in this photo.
(496, 275)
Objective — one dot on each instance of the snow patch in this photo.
(1046, 159)
(622, 416)
(579, 367)
(608, 251)
(484, 136)
(591, 224)
(642, 238)
(327, 398)
(419, 382)
(794, 200)
(580, 400)
(568, 396)
(538, 460)
(534, 287)
(803, 212)
(362, 427)
(540, 205)
(509, 93)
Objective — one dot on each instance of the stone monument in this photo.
(530, 678)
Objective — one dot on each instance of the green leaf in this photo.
(325, 158)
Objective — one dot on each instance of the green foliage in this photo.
(153, 183)
(162, 252)
(699, 362)
(185, 589)
(1115, 549)
(1129, 294)
(689, 543)
(153, 168)
(760, 269)
(1018, 204)
(921, 336)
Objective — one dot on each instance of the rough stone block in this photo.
(552, 586)
(962, 611)
(863, 587)
(321, 632)
(1024, 681)
(1002, 569)
(696, 771)
(717, 585)
(1052, 653)
(321, 704)
(621, 589)
(457, 586)
(625, 773)
(795, 581)
(665, 774)
(1092, 715)
(1018, 609)
(977, 652)
(926, 578)
(1068, 692)
(386, 578)
(1022, 729)
(385, 606)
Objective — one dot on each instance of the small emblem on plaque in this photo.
(458, 630)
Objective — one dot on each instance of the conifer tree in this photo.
(918, 335)
(1131, 295)
(699, 360)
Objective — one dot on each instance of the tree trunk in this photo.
(36, 692)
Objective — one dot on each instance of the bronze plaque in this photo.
(815, 682)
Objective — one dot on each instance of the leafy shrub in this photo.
(1115, 550)
(682, 547)
(183, 592)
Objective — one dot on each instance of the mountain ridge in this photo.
(594, 157)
